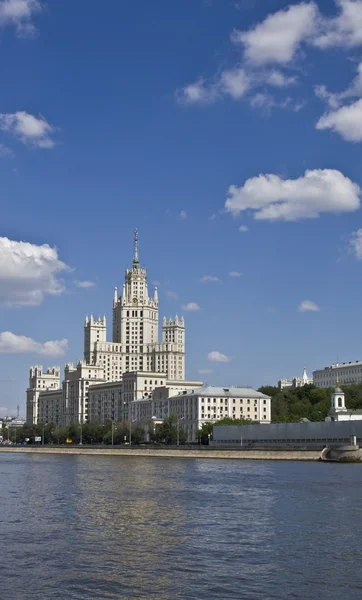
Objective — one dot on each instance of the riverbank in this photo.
(300, 455)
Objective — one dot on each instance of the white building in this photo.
(339, 411)
(210, 404)
(346, 373)
(75, 390)
(39, 381)
(296, 381)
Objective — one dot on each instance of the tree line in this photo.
(308, 402)
(120, 432)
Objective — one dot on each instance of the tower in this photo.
(135, 314)
(338, 403)
(95, 330)
(173, 332)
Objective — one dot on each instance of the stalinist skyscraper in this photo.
(135, 345)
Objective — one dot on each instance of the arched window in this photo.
(339, 402)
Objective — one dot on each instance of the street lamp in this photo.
(81, 431)
(112, 432)
(130, 430)
(178, 429)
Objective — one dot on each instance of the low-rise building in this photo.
(346, 373)
(209, 404)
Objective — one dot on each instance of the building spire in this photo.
(135, 247)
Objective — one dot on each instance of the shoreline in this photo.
(286, 455)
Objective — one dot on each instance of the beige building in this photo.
(50, 407)
(39, 382)
(135, 345)
(75, 390)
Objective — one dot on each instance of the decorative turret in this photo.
(155, 295)
(338, 403)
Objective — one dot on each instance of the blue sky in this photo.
(187, 120)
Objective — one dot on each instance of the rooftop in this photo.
(228, 392)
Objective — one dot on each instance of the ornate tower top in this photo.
(135, 248)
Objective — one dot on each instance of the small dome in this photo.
(338, 390)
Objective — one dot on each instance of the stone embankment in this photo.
(172, 452)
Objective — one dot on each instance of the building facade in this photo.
(345, 373)
(39, 382)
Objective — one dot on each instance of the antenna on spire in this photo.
(135, 247)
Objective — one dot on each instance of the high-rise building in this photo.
(135, 345)
(135, 348)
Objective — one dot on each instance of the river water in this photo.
(89, 527)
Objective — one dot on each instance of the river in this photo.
(89, 527)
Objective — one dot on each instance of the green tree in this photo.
(167, 431)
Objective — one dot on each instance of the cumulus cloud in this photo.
(207, 278)
(216, 356)
(356, 243)
(191, 306)
(85, 284)
(346, 121)
(205, 371)
(183, 214)
(234, 274)
(345, 29)
(273, 198)
(35, 131)
(19, 344)
(233, 83)
(278, 37)
(19, 14)
(28, 272)
(308, 306)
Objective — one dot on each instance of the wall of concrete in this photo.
(173, 453)
(324, 432)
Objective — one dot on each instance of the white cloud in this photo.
(347, 121)
(216, 356)
(28, 272)
(243, 228)
(191, 306)
(273, 198)
(172, 294)
(278, 79)
(278, 37)
(29, 129)
(183, 214)
(308, 306)
(356, 243)
(19, 344)
(343, 30)
(19, 14)
(334, 99)
(233, 83)
(85, 284)
(234, 274)
(4, 411)
(205, 371)
(206, 278)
